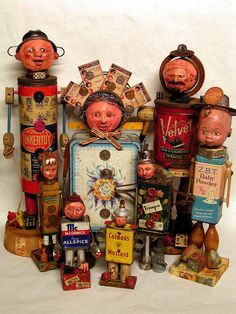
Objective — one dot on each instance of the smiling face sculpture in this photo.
(36, 52)
(103, 111)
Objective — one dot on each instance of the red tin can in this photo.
(38, 127)
(175, 140)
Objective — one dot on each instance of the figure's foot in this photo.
(84, 267)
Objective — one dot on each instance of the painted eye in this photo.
(43, 50)
(110, 114)
(96, 114)
(30, 50)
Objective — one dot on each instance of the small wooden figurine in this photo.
(153, 209)
(37, 91)
(181, 74)
(76, 240)
(211, 181)
(119, 251)
(49, 211)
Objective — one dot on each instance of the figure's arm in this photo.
(39, 206)
(8, 138)
(191, 175)
(228, 175)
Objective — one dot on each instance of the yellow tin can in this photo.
(119, 244)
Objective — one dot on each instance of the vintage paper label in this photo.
(157, 225)
(31, 140)
(71, 281)
(208, 182)
(75, 234)
(135, 96)
(119, 245)
(92, 76)
(26, 171)
(152, 207)
(116, 79)
(20, 246)
(31, 111)
(75, 94)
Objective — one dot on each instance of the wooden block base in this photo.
(43, 266)
(207, 276)
(21, 241)
(76, 281)
(118, 284)
(171, 250)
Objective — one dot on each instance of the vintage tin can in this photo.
(175, 140)
(75, 234)
(38, 127)
(209, 178)
(119, 245)
(97, 171)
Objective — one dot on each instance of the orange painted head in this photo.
(74, 208)
(180, 75)
(36, 52)
(103, 111)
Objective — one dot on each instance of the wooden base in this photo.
(76, 281)
(171, 250)
(21, 241)
(43, 266)
(118, 284)
(207, 276)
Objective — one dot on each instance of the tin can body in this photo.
(38, 129)
(208, 188)
(175, 134)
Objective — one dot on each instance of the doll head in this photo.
(74, 208)
(179, 75)
(103, 111)
(49, 165)
(121, 215)
(36, 52)
(146, 169)
(214, 126)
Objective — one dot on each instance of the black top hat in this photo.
(37, 34)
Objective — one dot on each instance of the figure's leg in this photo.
(211, 240)
(113, 270)
(125, 271)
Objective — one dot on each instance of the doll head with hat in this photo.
(215, 119)
(74, 208)
(36, 52)
(146, 169)
(121, 214)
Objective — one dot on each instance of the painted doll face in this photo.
(146, 170)
(214, 127)
(103, 116)
(120, 221)
(37, 55)
(49, 169)
(179, 75)
(74, 210)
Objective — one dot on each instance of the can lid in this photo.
(121, 211)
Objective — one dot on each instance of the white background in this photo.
(136, 35)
